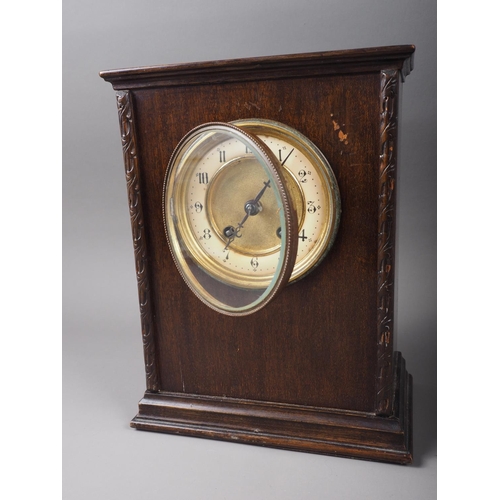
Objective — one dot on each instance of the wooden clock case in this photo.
(315, 370)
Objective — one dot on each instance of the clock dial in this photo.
(228, 192)
(228, 218)
(312, 185)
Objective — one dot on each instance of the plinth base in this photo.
(293, 427)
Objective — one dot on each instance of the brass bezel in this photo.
(175, 218)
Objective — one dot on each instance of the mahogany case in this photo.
(315, 370)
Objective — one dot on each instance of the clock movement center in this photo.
(253, 208)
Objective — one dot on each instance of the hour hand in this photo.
(231, 233)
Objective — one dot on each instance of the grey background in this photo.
(103, 374)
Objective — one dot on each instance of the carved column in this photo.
(389, 83)
(129, 145)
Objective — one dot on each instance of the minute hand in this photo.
(288, 156)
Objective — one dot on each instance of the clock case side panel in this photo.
(386, 257)
(125, 105)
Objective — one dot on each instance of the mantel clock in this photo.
(262, 194)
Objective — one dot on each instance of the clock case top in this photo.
(315, 370)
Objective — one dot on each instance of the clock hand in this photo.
(261, 192)
(288, 156)
(251, 208)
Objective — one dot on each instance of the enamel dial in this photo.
(248, 207)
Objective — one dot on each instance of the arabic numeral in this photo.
(311, 208)
(206, 234)
(254, 263)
